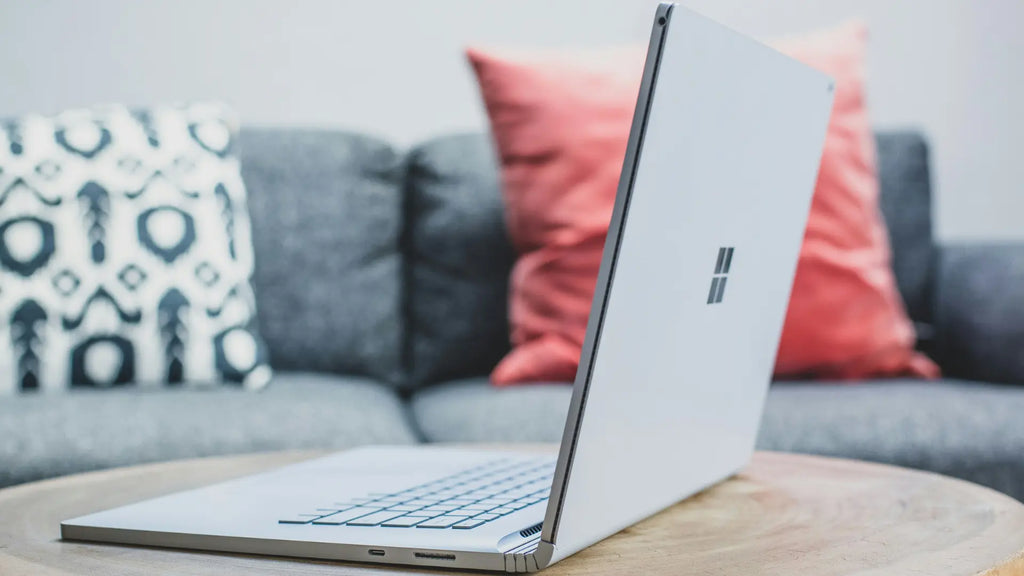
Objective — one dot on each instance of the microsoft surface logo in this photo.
(721, 275)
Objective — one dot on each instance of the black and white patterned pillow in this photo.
(125, 251)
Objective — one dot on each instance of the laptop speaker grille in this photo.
(535, 529)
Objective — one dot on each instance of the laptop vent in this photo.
(434, 556)
(527, 532)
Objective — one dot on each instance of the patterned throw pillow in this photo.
(125, 251)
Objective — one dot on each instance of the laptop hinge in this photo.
(532, 556)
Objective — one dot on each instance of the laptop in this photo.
(687, 313)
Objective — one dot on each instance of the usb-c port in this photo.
(375, 552)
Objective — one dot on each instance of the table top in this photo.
(785, 514)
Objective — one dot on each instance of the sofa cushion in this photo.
(326, 211)
(963, 429)
(472, 410)
(46, 435)
(979, 311)
(905, 182)
(458, 259)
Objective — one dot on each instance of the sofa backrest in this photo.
(906, 199)
(327, 218)
(373, 263)
(458, 257)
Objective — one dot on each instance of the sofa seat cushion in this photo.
(51, 435)
(472, 410)
(963, 429)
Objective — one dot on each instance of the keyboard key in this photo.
(461, 512)
(522, 491)
(467, 524)
(487, 491)
(344, 517)
(375, 518)
(414, 492)
(504, 487)
(404, 521)
(299, 519)
(441, 508)
(441, 522)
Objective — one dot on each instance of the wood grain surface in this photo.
(785, 515)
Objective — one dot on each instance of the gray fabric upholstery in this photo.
(906, 203)
(458, 260)
(473, 410)
(333, 214)
(963, 429)
(326, 211)
(43, 436)
(980, 312)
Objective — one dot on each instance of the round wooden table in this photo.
(785, 514)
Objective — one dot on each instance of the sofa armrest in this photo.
(979, 316)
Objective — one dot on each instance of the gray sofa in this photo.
(382, 283)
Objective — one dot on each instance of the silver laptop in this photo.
(702, 247)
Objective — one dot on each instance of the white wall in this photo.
(951, 67)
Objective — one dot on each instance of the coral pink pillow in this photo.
(846, 318)
(561, 131)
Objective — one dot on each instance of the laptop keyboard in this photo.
(462, 501)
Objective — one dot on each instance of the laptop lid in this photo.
(695, 279)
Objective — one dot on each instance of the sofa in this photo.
(381, 280)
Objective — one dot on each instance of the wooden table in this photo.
(786, 514)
